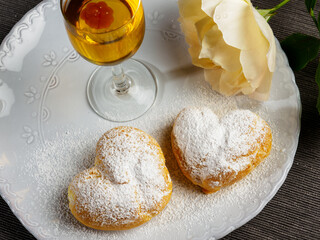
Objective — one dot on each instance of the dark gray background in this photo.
(294, 213)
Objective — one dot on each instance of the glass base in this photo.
(123, 107)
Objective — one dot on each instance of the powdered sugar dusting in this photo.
(189, 212)
(103, 201)
(210, 146)
(127, 182)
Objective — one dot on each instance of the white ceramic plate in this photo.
(48, 131)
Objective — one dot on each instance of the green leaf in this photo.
(310, 4)
(318, 82)
(300, 49)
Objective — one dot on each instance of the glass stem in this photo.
(121, 82)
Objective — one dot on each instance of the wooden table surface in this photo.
(294, 212)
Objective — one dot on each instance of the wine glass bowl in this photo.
(109, 45)
(108, 33)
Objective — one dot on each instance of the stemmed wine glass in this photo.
(107, 33)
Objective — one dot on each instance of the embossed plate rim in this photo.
(10, 195)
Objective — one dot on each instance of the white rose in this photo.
(232, 42)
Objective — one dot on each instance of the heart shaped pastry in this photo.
(128, 185)
(214, 153)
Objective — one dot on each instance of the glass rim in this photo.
(113, 30)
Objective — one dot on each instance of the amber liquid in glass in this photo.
(105, 32)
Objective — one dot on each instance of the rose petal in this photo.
(262, 92)
(213, 77)
(190, 14)
(239, 28)
(208, 6)
(216, 49)
(227, 83)
(232, 82)
(268, 33)
(234, 44)
(237, 23)
(191, 9)
(203, 26)
(191, 37)
(255, 66)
